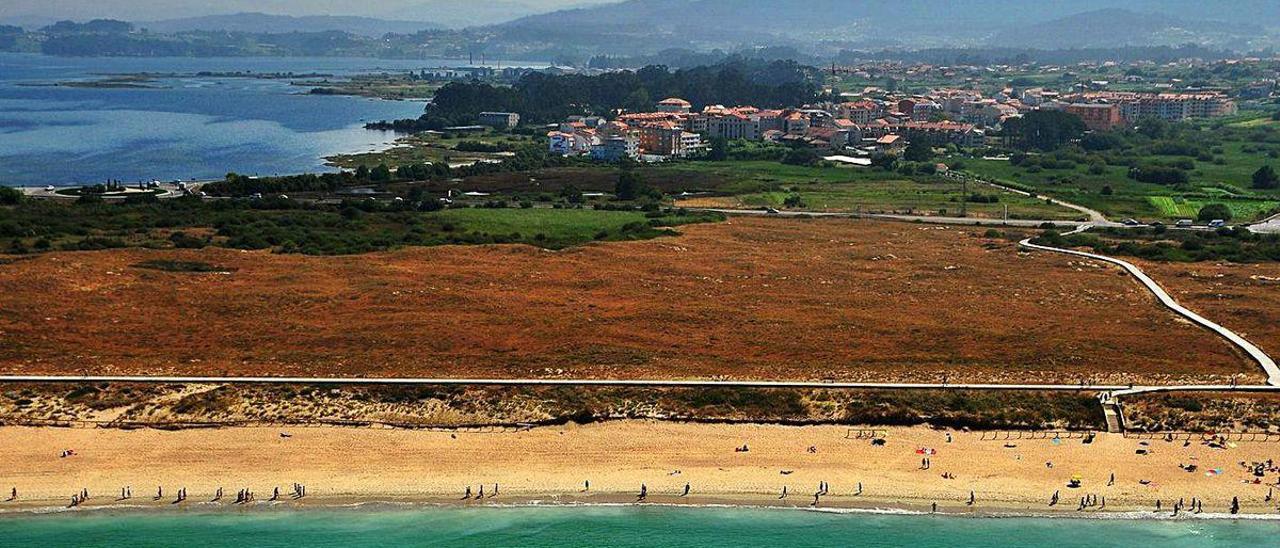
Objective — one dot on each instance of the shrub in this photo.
(1215, 211)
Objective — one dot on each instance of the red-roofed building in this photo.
(674, 104)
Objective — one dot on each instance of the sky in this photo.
(152, 10)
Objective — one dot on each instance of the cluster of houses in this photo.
(674, 130)
(884, 124)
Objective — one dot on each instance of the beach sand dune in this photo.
(345, 465)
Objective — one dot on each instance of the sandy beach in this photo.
(551, 464)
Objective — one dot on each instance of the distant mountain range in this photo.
(1063, 24)
(261, 23)
(1118, 28)
(468, 13)
(819, 29)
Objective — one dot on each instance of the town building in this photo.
(674, 105)
(616, 147)
(500, 120)
(1097, 116)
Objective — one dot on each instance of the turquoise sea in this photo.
(612, 526)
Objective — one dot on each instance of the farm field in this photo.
(1188, 208)
(746, 299)
(1215, 161)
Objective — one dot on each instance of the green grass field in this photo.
(909, 197)
(766, 183)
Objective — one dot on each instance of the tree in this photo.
(801, 156)
(1266, 178)
(719, 150)
(362, 172)
(571, 194)
(1043, 129)
(1152, 127)
(1213, 212)
(631, 186)
(918, 150)
(10, 196)
(380, 174)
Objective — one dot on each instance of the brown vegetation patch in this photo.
(1242, 297)
(746, 299)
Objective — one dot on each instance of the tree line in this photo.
(544, 98)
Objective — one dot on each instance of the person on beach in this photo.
(481, 495)
(495, 491)
(159, 492)
(13, 495)
(934, 509)
(1112, 481)
(467, 495)
(586, 485)
(275, 493)
(816, 496)
(1053, 501)
(686, 490)
(972, 498)
(1157, 505)
(859, 489)
(644, 493)
(784, 493)
(1235, 505)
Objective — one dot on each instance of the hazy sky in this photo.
(150, 10)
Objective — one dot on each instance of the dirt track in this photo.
(751, 298)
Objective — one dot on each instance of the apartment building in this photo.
(1097, 116)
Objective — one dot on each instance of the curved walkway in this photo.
(1268, 364)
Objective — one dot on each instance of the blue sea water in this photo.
(189, 128)
(613, 526)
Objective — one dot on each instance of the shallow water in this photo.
(610, 526)
(189, 128)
